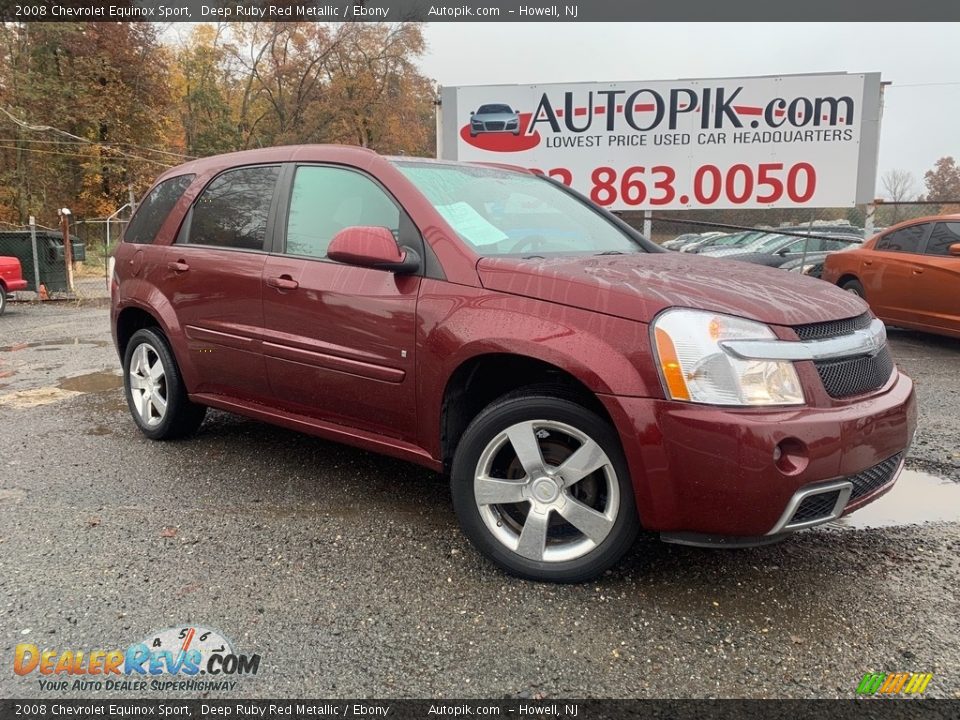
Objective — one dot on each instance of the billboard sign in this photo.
(756, 142)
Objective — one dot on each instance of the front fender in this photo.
(607, 354)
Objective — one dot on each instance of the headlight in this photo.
(805, 269)
(695, 367)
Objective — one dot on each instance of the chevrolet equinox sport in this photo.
(575, 382)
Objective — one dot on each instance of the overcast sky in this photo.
(920, 123)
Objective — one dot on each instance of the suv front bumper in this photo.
(709, 475)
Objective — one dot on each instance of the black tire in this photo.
(474, 446)
(855, 287)
(3, 299)
(180, 416)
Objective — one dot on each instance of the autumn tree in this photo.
(205, 86)
(90, 110)
(354, 83)
(86, 115)
(943, 183)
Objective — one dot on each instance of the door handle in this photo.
(178, 266)
(918, 271)
(284, 282)
(868, 262)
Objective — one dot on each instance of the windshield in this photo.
(493, 109)
(769, 242)
(733, 240)
(501, 212)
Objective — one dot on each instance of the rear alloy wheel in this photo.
(854, 286)
(154, 388)
(540, 486)
(3, 299)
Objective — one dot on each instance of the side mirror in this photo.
(372, 247)
(472, 113)
(954, 249)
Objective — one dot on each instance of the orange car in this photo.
(909, 273)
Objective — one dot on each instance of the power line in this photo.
(82, 155)
(99, 144)
(78, 140)
(930, 84)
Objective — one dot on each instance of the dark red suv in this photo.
(574, 381)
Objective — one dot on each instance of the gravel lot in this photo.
(347, 573)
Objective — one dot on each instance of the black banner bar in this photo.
(873, 708)
(491, 11)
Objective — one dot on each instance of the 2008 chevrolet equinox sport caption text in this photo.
(575, 381)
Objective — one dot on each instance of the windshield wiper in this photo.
(611, 252)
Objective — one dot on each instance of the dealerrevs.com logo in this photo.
(186, 658)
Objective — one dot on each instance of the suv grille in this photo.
(833, 328)
(848, 376)
(855, 376)
(814, 507)
(874, 478)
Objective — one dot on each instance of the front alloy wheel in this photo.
(530, 491)
(541, 487)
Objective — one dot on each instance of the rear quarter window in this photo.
(906, 240)
(943, 236)
(154, 208)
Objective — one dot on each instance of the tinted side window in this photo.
(325, 200)
(154, 208)
(232, 211)
(906, 240)
(943, 236)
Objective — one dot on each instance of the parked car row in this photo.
(908, 273)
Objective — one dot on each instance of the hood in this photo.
(639, 286)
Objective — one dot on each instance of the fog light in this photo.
(790, 456)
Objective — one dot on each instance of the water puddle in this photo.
(917, 498)
(92, 382)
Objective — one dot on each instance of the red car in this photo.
(909, 273)
(11, 279)
(575, 381)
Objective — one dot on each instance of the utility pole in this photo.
(67, 245)
(36, 256)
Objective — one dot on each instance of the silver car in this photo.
(494, 118)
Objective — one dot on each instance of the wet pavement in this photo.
(347, 573)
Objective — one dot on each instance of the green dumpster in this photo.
(53, 271)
